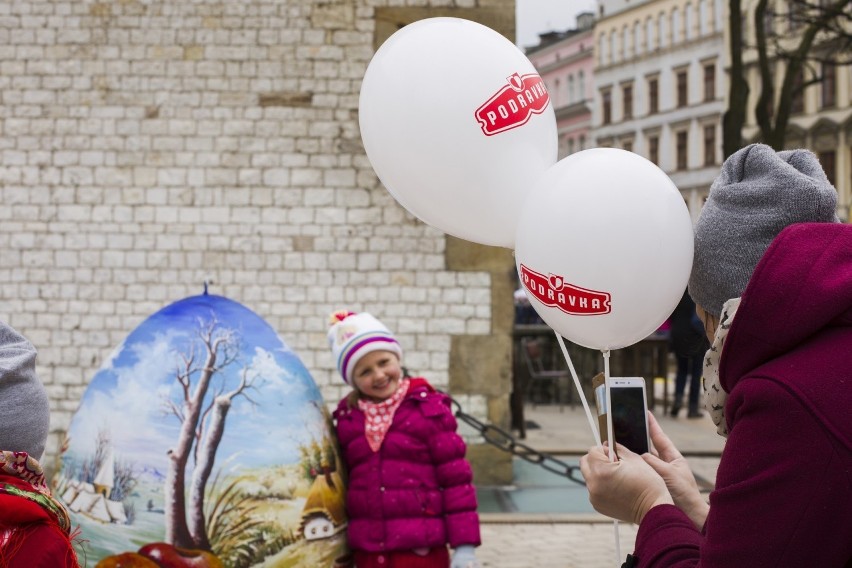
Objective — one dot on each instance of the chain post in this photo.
(506, 442)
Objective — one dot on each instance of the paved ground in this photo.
(561, 544)
(583, 540)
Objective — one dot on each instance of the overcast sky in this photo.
(537, 16)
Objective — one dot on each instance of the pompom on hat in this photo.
(24, 405)
(758, 193)
(353, 335)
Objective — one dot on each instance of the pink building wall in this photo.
(565, 60)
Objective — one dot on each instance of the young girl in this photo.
(410, 491)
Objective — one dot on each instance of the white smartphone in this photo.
(628, 410)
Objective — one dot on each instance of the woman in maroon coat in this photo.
(410, 492)
(772, 279)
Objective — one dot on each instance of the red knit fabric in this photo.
(30, 536)
(437, 558)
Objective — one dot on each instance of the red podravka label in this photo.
(553, 291)
(513, 104)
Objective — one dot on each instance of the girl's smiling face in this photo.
(377, 375)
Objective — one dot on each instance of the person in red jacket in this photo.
(34, 527)
(410, 490)
(772, 281)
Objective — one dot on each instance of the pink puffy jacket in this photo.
(417, 490)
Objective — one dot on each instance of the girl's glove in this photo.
(464, 556)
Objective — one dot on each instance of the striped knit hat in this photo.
(352, 336)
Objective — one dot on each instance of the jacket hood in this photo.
(802, 285)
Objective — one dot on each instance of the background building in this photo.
(659, 87)
(565, 60)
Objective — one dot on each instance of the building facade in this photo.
(565, 60)
(659, 87)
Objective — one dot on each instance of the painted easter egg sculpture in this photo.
(204, 442)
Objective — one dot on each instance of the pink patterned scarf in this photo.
(378, 416)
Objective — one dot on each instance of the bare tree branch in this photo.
(806, 38)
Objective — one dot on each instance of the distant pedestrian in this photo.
(34, 527)
(525, 314)
(689, 345)
(772, 278)
(410, 493)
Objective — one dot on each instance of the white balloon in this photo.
(604, 247)
(458, 126)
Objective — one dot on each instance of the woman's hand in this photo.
(625, 489)
(668, 462)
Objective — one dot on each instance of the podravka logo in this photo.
(513, 104)
(553, 291)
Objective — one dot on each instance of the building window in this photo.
(709, 144)
(675, 26)
(796, 16)
(797, 105)
(570, 89)
(681, 88)
(649, 34)
(627, 95)
(681, 150)
(606, 99)
(581, 144)
(702, 17)
(581, 87)
(653, 96)
(687, 22)
(612, 50)
(768, 20)
(627, 145)
(570, 142)
(654, 149)
(638, 44)
(826, 159)
(829, 84)
(709, 82)
(718, 20)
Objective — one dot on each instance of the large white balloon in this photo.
(458, 126)
(604, 247)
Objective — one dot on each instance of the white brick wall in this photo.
(136, 162)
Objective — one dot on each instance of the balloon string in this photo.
(609, 435)
(611, 449)
(592, 422)
(579, 389)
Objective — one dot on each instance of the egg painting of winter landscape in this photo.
(204, 441)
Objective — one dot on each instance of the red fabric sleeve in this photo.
(782, 494)
(45, 546)
(667, 537)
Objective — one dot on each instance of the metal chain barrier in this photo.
(506, 442)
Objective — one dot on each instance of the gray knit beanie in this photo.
(24, 407)
(757, 194)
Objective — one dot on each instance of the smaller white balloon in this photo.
(458, 126)
(604, 247)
